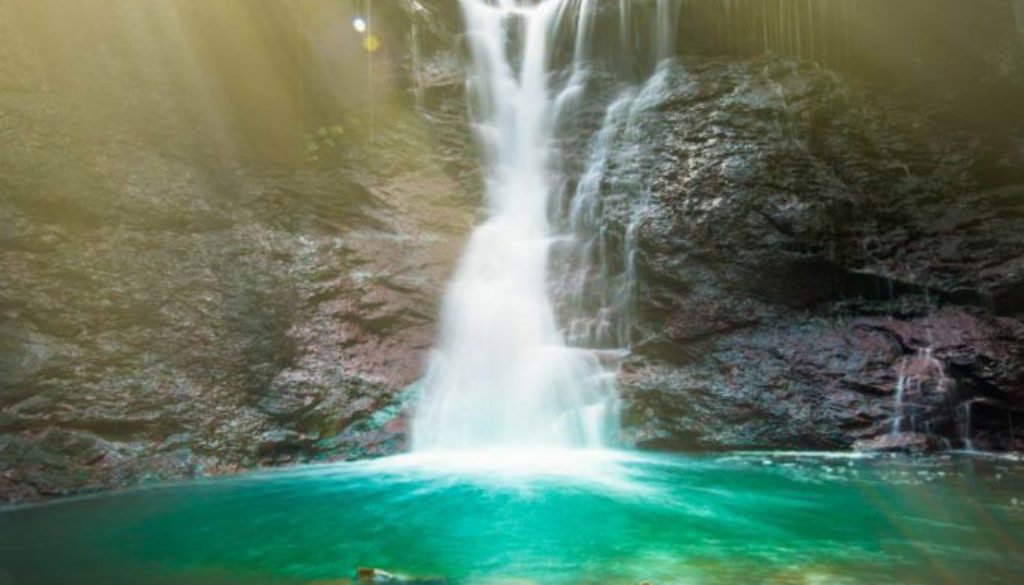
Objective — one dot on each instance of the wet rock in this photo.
(280, 445)
(371, 576)
(911, 443)
(803, 238)
(185, 293)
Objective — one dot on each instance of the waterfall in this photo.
(918, 375)
(502, 374)
(1018, 14)
(666, 21)
(897, 407)
(965, 426)
(525, 357)
(600, 292)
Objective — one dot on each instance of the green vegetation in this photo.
(324, 140)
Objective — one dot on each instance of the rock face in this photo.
(203, 271)
(805, 240)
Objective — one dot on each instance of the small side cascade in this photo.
(1018, 13)
(926, 401)
(666, 29)
(625, 23)
(897, 409)
(416, 64)
(920, 375)
(965, 425)
(600, 265)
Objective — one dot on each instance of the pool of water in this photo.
(516, 518)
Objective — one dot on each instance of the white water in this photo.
(915, 373)
(506, 374)
(666, 20)
(502, 375)
(600, 295)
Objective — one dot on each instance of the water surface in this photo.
(521, 517)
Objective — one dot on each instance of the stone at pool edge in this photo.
(913, 443)
(371, 576)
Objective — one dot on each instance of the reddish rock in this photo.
(912, 443)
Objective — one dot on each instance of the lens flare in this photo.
(359, 24)
(371, 43)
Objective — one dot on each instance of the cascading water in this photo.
(600, 293)
(502, 375)
(919, 374)
(665, 21)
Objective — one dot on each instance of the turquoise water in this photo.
(520, 518)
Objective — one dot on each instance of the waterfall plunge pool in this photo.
(594, 517)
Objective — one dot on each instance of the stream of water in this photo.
(502, 374)
(509, 370)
